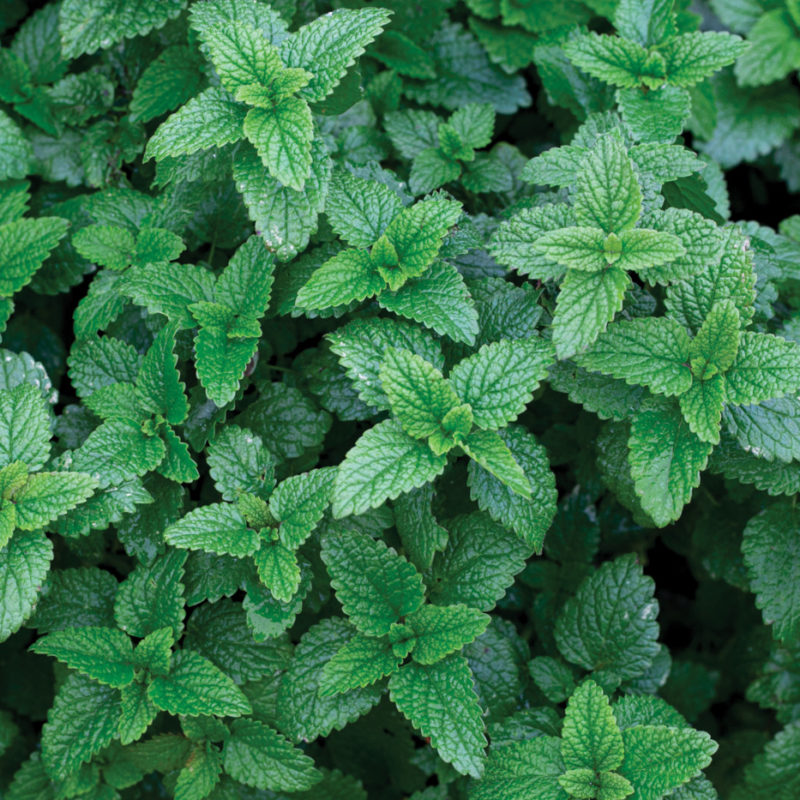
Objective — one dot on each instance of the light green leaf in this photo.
(105, 654)
(259, 756)
(238, 461)
(643, 249)
(221, 362)
(590, 738)
(658, 759)
(609, 58)
(432, 169)
(702, 406)
(499, 380)
(666, 459)
(441, 703)
(299, 502)
(714, 348)
(419, 397)
(195, 687)
(105, 245)
(574, 248)
(330, 44)
(216, 528)
(212, 119)
(441, 630)
(691, 57)
(16, 152)
(159, 387)
(774, 50)
(607, 192)
(278, 570)
(650, 352)
(282, 137)
(384, 463)
(348, 276)
(587, 302)
(489, 450)
(49, 495)
(360, 662)
(765, 367)
(374, 584)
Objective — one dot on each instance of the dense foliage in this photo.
(399, 400)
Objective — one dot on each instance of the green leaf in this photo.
(441, 630)
(478, 563)
(361, 662)
(528, 518)
(432, 169)
(238, 461)
(304, 713)
(650, 352)
(774, 50)
(499, 380)
(658, 759)
(522, 770)
(117, 451)
(284, 217)
(666, 459)
(24, 426)
(212, 119)
(137, 712)
(282, 137)
(170, 80)
(151, 596)
(259, 756)
(702, 406)
(88, 26)
(609, 58)
(159, 387)
(419, 397)
(81, 722)
(24, 245)
(216, 528)
(714, 348)
(574, 247)
(221, 362)
(607, 192)
(360, 210)
(420, 534)
(299, 502)
(772, 555)
(590, 738)
(329, 45)
(765, 367)
(195, 686)
(105, 654)
(610, 623)
(16, 152)
(440, 300)
(24, 563)
(589, 784)
(48, 495)
(440, 702)
(348, 276)
(643, 249)
(489, 450)
(646, 23)
(418, 232)
(691, 57)
(245, 285)
(374, 584)
(384, 463)
(278, 570)
(200, 774)
(105, 245)
(587, 302)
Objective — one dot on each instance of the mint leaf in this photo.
(590, 738)
(23, 567)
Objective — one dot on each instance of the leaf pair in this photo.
(652, 65)
(269, 533)
(432, 415)
(394, 256)
(640, 746)
(383, 596)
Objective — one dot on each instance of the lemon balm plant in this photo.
(399, 400)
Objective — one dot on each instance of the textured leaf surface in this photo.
(440, 702)
(384, 463)
(765, 367)
(24, 563)
(610, 624)
(361, 661)
(441, 630)
(24, 426)
(590, 738)
(374, 584)
(216, 528)
(772, 554)
(24, 245)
